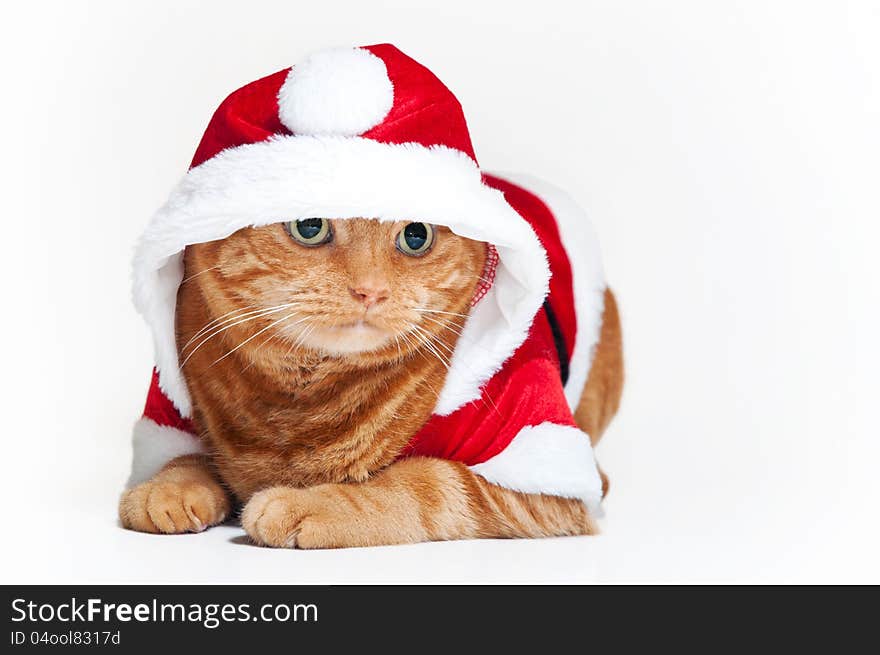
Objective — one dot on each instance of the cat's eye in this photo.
(415, 239)
(310, 231)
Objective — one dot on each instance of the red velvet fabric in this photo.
(162, 411)
(424, 111)
(539, 216)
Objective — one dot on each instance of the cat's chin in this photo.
(357, 337)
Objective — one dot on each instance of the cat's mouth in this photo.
(357, 325)
(359, 335)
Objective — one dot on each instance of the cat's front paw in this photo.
(173, 507)
(284, 517)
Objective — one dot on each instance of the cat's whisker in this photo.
(416, 347)
(304, 334)
(448, 325)
(194, 275)
(260, 345)
(294, 344)
(300, 340)
(433, 350)
(226, 325)
(419, 333)
(434, 339)
(255, 335)
(261, 311)
(409, 342)
(231, 316)
(241, 311)
(448, 365)
(211, 336)
(438, 341)
(425, 310)
(274, 335)
(260, 314)
(459, 332)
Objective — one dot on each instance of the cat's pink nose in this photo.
(369, 295)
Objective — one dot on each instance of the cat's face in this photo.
(340, 286)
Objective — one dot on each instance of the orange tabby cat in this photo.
(361, 336)
(307, 398)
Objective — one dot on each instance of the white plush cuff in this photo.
(154, 445)
(547, 459)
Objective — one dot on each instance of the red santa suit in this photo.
(369, 132)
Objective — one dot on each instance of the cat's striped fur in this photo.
(304, 416)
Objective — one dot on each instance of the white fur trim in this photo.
(582, 246)
(154, 445)
(342, 92)
(551, 459)
(295, 177)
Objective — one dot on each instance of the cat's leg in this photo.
(185, 496)
(601, 395)
(417, 499)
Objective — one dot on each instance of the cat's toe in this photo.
(172, 507)
(205, 506)
(274, 517)
(133, 509)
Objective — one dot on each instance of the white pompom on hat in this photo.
(341, 92)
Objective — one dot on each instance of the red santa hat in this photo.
(354, 132)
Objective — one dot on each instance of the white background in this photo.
(729, 154)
